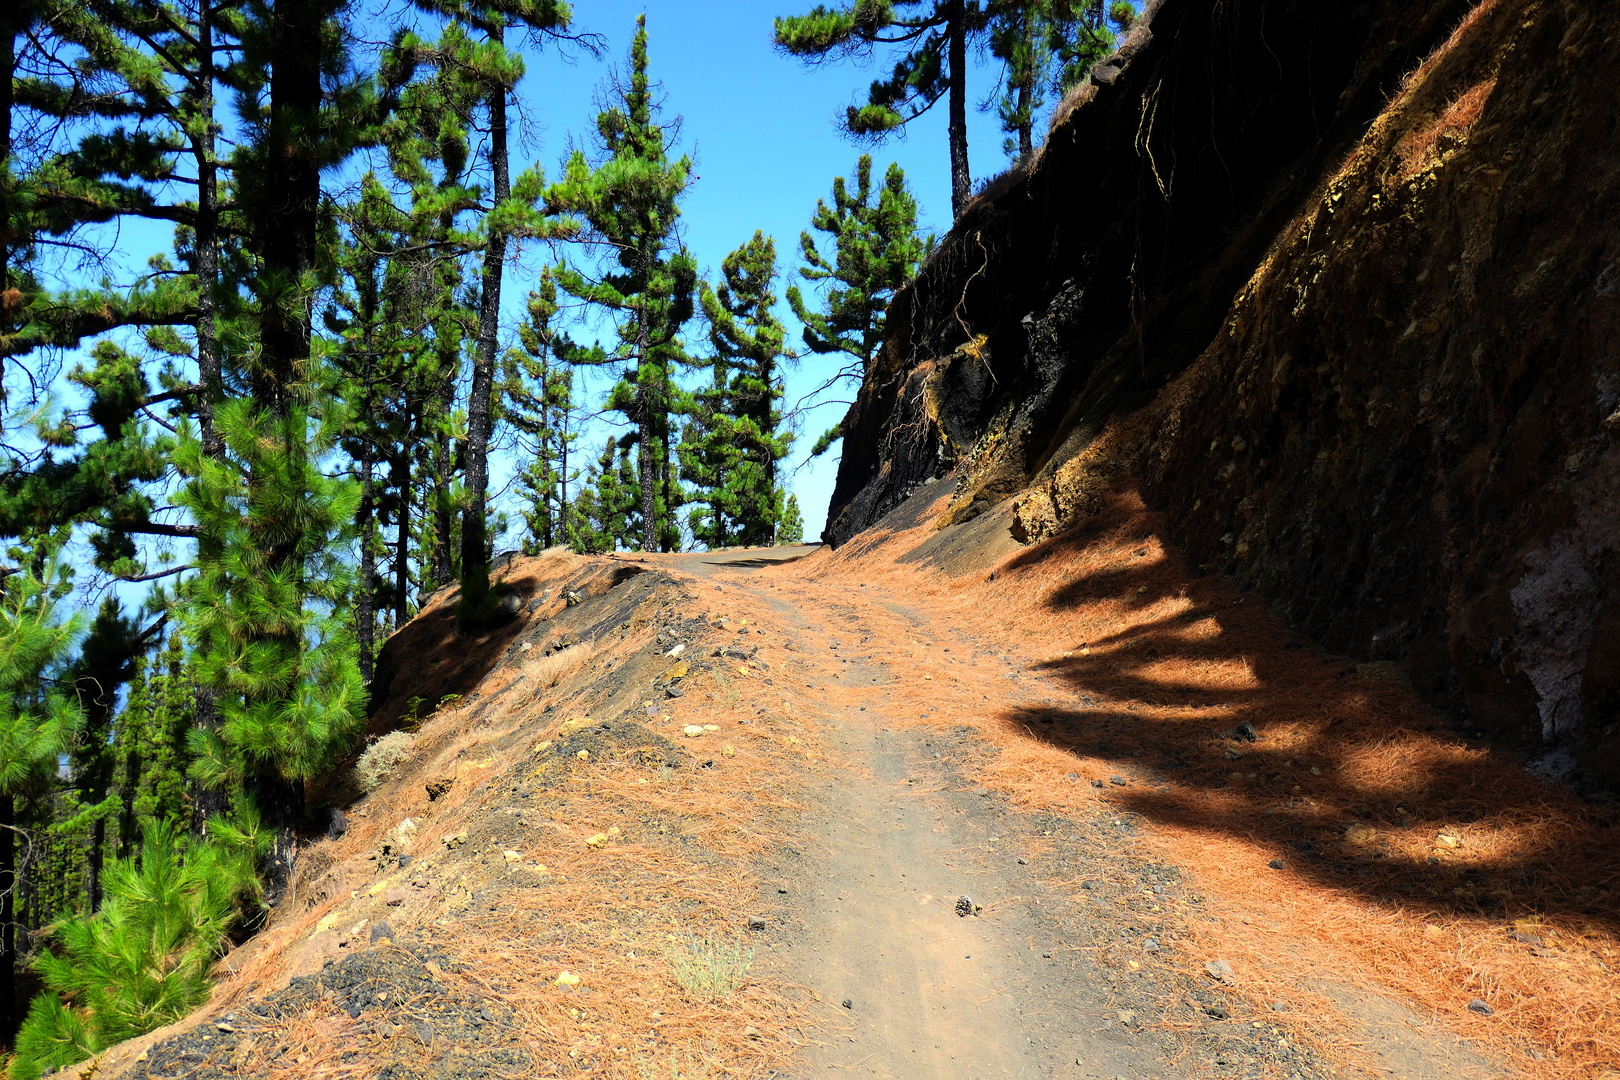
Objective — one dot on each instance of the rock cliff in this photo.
(1335, 286)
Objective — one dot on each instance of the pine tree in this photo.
(106, 661)
(875, 252)
(931, 38)
(144, 960)
(742, 421)
(606, 514)
(513, 213)
(791, 531)
(538, 402)
(630, 202)
(38, 721)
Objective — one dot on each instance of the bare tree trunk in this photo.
(402, 549)
(8, 920)
(474, 526)
(206, 244)
(961, 179)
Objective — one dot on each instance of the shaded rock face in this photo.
(1382, 389)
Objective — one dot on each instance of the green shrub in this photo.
(144, 959)
(382, 757)
(709, 968)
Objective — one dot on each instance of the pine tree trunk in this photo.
(961, 179)
(9, 29)
(439, 562)
(95, 860)
(293, 178)
(207, 238)
(208, 803)
(365, 614)
(8, 928)
(402, 548)
(1026, 144)
(474, 526)
(644, 426)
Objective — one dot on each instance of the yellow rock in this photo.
(567, 978)
(1432, 932)
(1448, 841)
(613, 831)
(546, 745)
(1360, 835)
(584, 755)
(743, 671)
(511, 856)
(326, 923)
(711, 727)
(692, 731)
(596, 841)
(728, 750)
(677, 672)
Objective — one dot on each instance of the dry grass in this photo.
(1137, 666)
(678, 866)
(547, 671)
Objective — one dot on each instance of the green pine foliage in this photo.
(870, 252)
(791, 530)
(606, 516)
(537, 393)
(149, 746)
(145, 958)
(731, 448)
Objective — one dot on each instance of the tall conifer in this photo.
(630, 201)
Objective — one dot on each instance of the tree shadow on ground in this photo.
(1223, 723)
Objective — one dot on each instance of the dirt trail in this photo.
(905, 984)
(1036, 982)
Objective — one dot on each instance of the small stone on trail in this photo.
(1023, 861)
(692, 731)
(567, 978)
(1479, 1006)
(1278, 864)
(1216, 1012)
(756, 923)
(1126, 1016)
(848, 1004)
(1151, 945)
(1279, 1006)
(1119, 780)
(1221, 971)
(1098, 783)
(750, 1032)
(1246, 732)
(965, 906)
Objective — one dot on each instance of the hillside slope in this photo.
(1331, 286)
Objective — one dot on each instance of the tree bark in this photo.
(8, 920)
(474, 526)
(961, 179)
(402, 548)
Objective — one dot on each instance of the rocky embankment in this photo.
(1334, 287)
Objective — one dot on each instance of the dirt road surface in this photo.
(939, 933)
